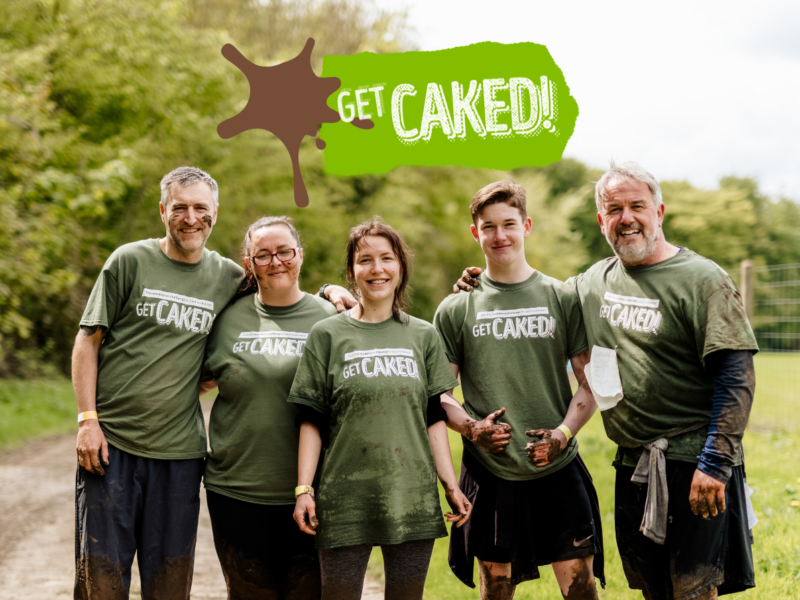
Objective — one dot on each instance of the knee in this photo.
(576, 579)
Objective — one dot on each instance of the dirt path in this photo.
(37, 528)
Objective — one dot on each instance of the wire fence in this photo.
(771, 296)
(772, 299)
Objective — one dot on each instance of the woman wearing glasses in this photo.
(375, 376)
(252, 355)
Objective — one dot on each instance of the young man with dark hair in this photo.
(510, 341)
(675, 337)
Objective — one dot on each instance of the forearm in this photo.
(458, 419)
(308, 454)
(733, 374)
(208, 386)
(581, 408)
(437, 434)
(84, 369)
(583, 405)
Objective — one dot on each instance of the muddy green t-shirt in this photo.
(156, 313)
(511, 343)
(378, 482)
(663, 319)
(253, 353)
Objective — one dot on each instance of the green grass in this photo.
(40, 408)
(35, 409)
(772, 444)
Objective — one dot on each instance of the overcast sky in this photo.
(692, 90)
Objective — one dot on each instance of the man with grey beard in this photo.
(673, 375)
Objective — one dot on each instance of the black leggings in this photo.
(405, 566)
(263, 554)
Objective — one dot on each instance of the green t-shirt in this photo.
(156, 313)
(378, 482)
(663, 319)
(253, 353)
(511, 343)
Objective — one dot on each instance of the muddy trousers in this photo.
(143, 506)
(405, 566)
(263, 553)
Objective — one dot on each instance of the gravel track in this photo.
(37, 528)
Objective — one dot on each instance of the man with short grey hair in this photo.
(672, 372)
(136, 371)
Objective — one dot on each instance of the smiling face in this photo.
(501, 232)
(190, 216)
(277, 275)
(376, 270)
(631, 222)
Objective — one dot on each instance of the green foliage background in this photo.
(99, 99)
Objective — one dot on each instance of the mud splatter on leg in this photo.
(495, 581)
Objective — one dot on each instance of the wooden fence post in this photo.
(747, 288)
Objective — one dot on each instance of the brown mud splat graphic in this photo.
(288, 100)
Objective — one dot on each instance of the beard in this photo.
(185, 245)
(633, 255)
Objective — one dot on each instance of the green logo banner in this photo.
(490, 105)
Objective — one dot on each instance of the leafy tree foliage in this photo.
(99, 99)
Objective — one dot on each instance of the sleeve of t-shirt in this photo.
(449, 332)
(310, 386)
(577, 341)
(437, 367)
(722, 324)
(106, 299)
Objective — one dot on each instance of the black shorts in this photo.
(699, 554)
(527, 523)
(262, 551)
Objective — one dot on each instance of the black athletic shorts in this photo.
(262, 551)
(699, 554)
(527, 523)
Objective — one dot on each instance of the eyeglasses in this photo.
(265, 258)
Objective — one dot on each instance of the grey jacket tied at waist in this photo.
(652, 470)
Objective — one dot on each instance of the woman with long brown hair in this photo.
(371, 380)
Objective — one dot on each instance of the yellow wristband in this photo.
(89, 414)
(303, 489)
(566, 431)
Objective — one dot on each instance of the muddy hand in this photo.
(92, 447)
(707, 496)
(468, 280)
(340, 297)
(305, 514)
(546, 448)
(462, 508)
(488, 435)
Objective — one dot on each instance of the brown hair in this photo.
(506, 191)
(378, 227)
(249, 284)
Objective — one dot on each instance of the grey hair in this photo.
(627, 170)
(269, 222)
(184, 177)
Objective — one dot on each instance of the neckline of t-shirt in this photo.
(507, 287)
(275, 311)
(363, 325)
(176, 264)
(683, 251)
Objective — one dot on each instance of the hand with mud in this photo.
(548, 447)
(305, 514)
(340, 297)
(92, 447)
(461, 506)
(488, 435)
(468, 281)
(707, 495)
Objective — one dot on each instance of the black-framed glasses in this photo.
(263, 259)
